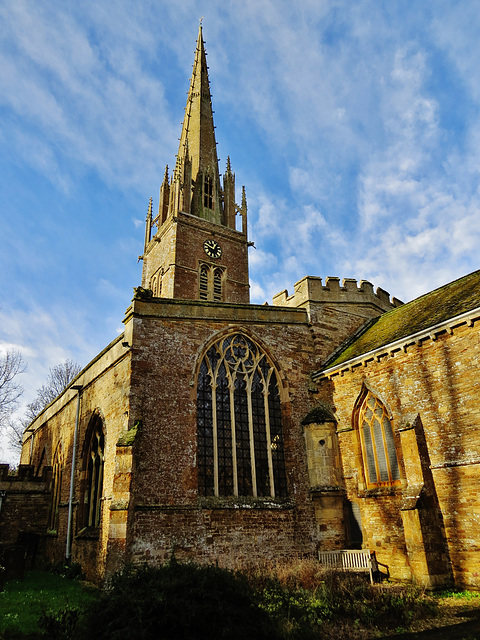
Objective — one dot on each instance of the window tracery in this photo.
(52, 523)
(378, 444)
(93, 462)
(240, 439)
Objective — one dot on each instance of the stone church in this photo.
(216, 430)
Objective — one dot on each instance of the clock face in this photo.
(212, 249)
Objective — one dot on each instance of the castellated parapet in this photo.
(24, 502)
(311, 289)
(336, 312)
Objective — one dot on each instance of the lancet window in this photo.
(93, 461)
(52, 523)
(156, 284)
(378, 444)
(239, 425)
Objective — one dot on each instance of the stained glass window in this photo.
(56, 489)
(378, 444)
(93, 460)
(240, 438)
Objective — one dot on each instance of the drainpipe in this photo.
(78, 388)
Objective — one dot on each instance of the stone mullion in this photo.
(215, 443)
(92, 490)
(99, 491)
(231, 388)
(269, 438)
(250, 432)
(385, 446)
(363, 420)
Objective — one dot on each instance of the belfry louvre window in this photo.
(239, 427)
(210, 283)
(93, 461)
(378, 445)
(208, 192)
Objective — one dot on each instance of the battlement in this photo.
(24, 473)
(310, 289)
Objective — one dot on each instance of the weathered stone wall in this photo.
(25, 503)
(177, 248)
(105, 391)
(169, 338)
(335, 312)
(430, 388)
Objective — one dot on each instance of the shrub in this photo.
(177, 601)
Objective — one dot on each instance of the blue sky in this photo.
(354, 126)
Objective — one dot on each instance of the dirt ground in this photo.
(458, 619)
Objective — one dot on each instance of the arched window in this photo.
(52, 523)
(153, 285)
(156, 284)
(210, 282)
(378, 444)
(93, 459)
(239, 427)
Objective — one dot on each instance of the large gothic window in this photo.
(378, 444)
(240, 440)
(93, 460)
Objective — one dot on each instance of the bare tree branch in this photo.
(11, 365)
(58, 379)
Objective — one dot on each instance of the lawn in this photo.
(23, 602)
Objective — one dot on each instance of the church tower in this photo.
(193, 250)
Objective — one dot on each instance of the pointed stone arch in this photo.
(239, 420)
(91, 485)
(56, 492)
(373, 422)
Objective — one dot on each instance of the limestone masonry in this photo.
(216, 430)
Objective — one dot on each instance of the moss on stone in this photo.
(320, 414)
(428, 310)
(127, 438)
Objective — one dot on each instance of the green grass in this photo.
(459, 595)
(23, 602)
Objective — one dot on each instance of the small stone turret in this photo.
(336, 312)
(310, 289)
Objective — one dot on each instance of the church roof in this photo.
(427, 311)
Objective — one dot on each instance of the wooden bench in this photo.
(358, 560)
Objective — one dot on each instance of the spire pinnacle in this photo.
(148, 225)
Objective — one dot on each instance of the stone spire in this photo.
(196, 171)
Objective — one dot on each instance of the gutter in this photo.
(396, 345)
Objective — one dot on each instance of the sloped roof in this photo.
(432, 308)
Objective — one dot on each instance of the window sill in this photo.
(377, 492)
(88, 533)
(245, 502)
